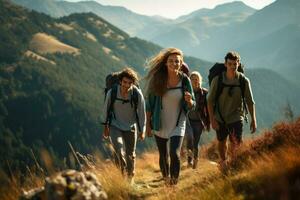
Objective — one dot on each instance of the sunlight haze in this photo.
(174, 8)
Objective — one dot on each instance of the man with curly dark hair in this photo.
(123, 116)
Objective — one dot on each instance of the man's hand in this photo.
(253, 126)
(106, 132)
(141, 136)
(214, 124)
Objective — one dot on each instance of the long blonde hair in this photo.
(157, 76)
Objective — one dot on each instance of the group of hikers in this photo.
(176, 106)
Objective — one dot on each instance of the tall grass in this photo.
(267, 167)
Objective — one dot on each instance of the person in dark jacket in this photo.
(198, 119)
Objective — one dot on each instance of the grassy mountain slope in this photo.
(266, 167)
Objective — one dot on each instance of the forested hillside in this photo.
(52, 76)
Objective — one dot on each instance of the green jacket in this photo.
(154, 103)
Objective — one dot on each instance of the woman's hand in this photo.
(188, 98)
(148, 130)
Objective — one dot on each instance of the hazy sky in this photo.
(175, 8)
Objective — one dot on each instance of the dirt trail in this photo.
(149, 183)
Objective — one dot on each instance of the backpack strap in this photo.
(110, 111)
(205, 112)
(134, 100)
(220, 87)
(183, 89)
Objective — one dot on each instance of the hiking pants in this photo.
(175, 143)
(124, 143)
(193, 138)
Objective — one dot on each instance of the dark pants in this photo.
(193, 138)
(173, 168)
(234, 130)
(120, 140)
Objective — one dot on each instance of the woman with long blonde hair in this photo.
(169, 97)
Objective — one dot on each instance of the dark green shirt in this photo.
(230, 102)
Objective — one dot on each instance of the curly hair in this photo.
(157, 76)
(129, 73)
(232, 55)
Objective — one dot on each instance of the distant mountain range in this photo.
(52, 73)
(121, 17)
(208, 33)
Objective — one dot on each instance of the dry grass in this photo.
(90, 36)
(115, 58)
(272, 176)
(64, 27)
(38, 57)
(267, 167)
(106, 50)
(43, 43)
(13, 186)
(108, 33)
(112, 181)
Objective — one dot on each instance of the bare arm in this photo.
(212, 118)
(253, 124)
(251, 106)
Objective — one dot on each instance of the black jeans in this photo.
(173, 168)
(194, 138)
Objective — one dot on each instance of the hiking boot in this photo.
(190, 165)
(195, 163)
(167, 180)
(130, 180)
(190, 159)
(223, 166)
(173, 181)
